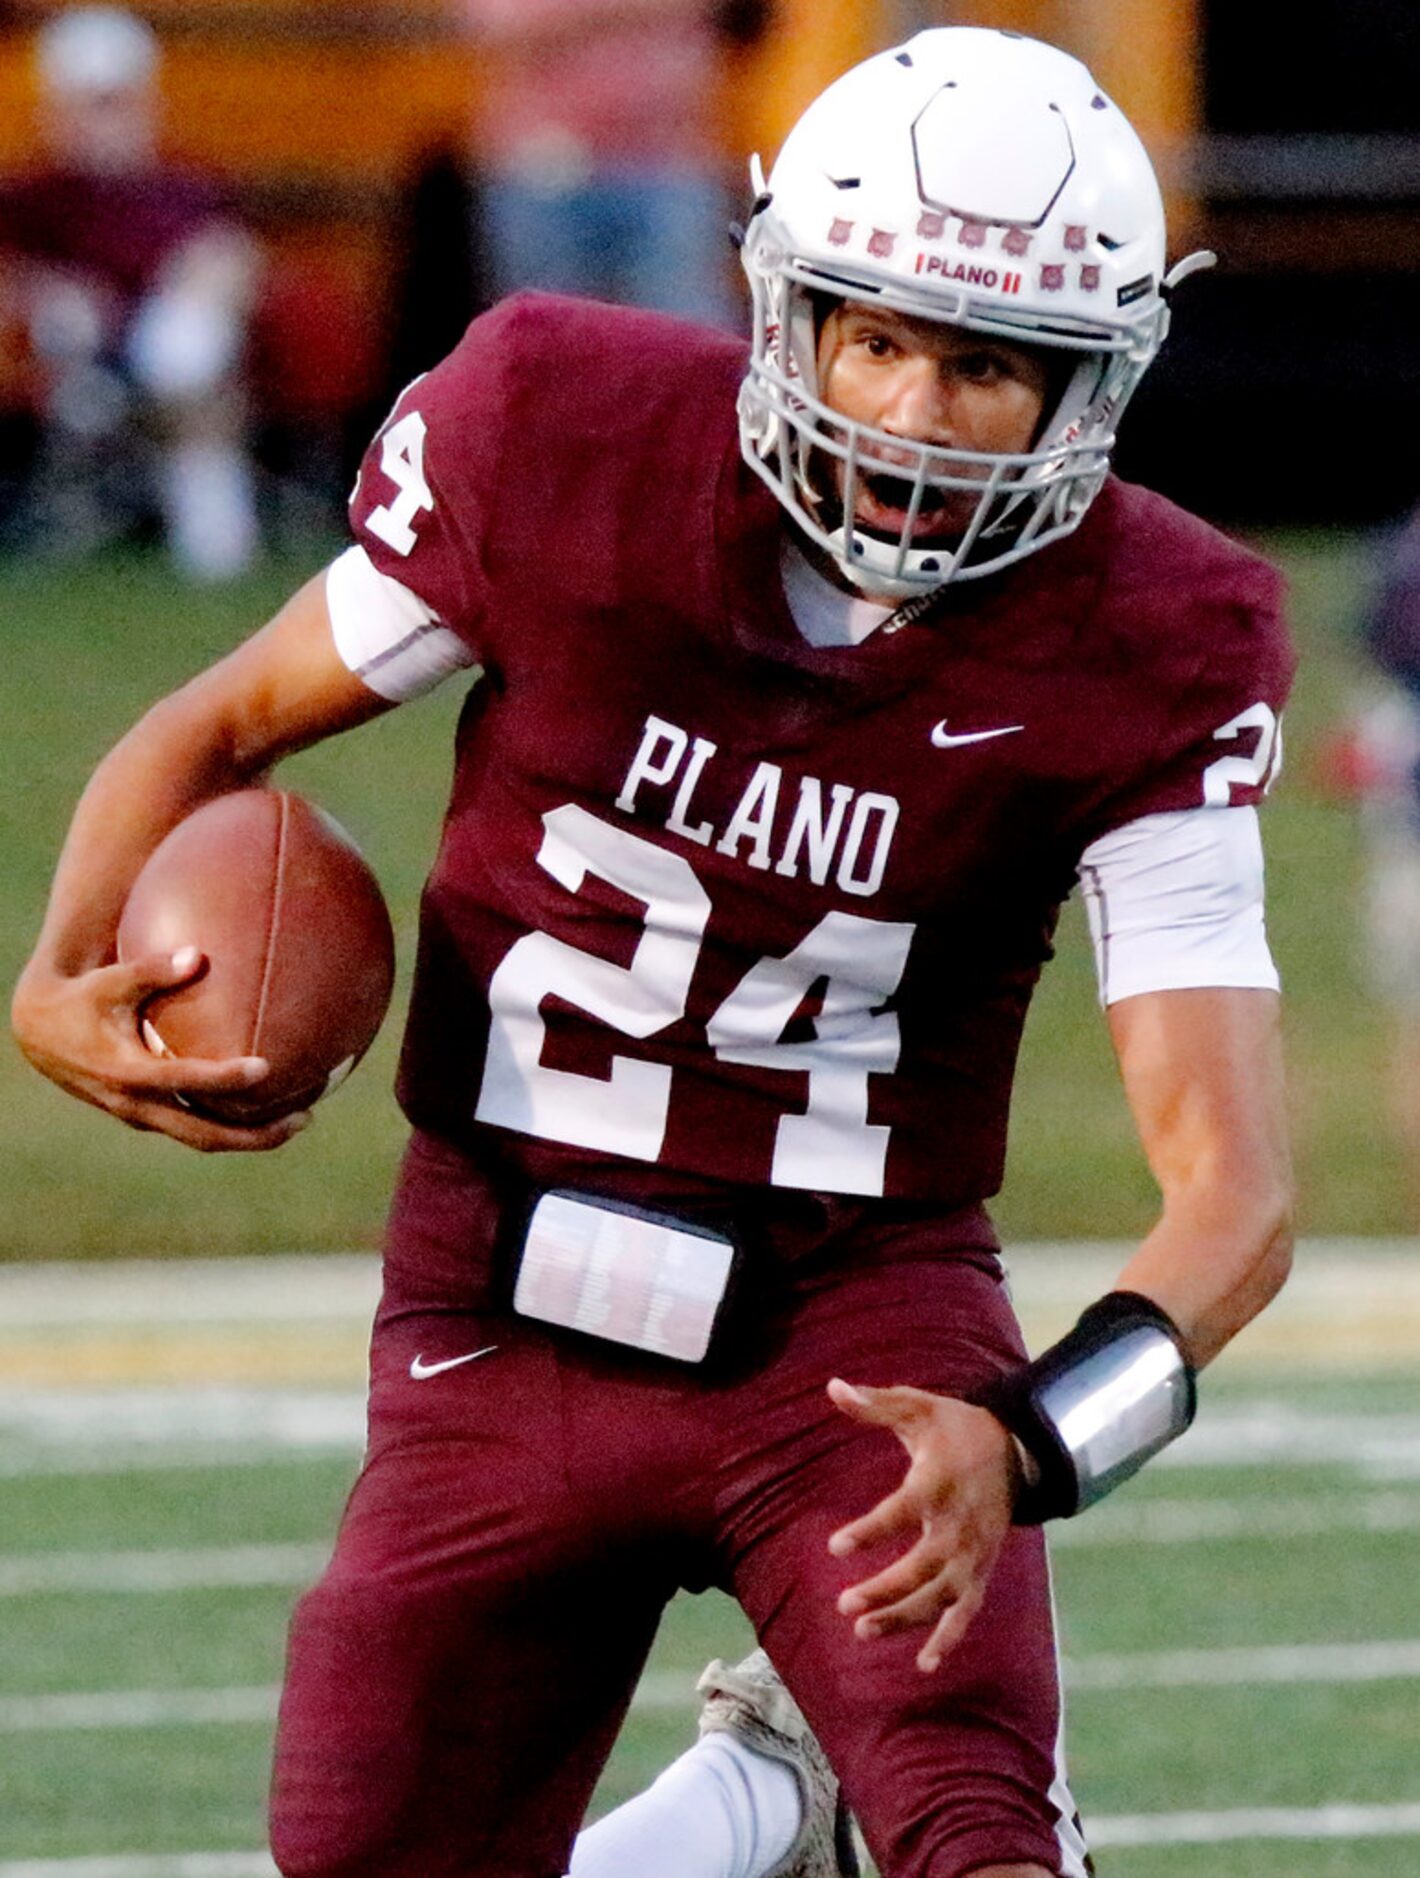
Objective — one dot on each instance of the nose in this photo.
(920, 406)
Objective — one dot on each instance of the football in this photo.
(297, 938)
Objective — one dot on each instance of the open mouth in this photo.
(881, 503)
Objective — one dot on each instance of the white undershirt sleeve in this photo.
(386, 634)
(1175, 903)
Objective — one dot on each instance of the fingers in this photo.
(160, 971)
(213, 1137)
(84, 1032)
(191, 1075)
(899, 1513)
(148, 1088)
(951, 1628)
(935, 1584)
(947, 1519)
(906, 1413)
(910, 1591)
(899, 1409)
(156, 1112)
(124, 989)
(134, 981)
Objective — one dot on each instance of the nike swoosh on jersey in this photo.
(945, 739)
(420, 1370)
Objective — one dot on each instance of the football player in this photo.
(136, 283)
(1375, 759)
(810, 688)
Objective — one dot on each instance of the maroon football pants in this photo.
(458, 1677)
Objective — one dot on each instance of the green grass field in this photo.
(170, 1478)
(1239, 1625)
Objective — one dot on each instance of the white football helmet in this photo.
(982, 179)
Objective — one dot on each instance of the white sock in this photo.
(729, 1813)
(209, 509)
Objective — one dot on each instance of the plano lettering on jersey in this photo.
(829, 831)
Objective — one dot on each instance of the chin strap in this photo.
(1097, 1405)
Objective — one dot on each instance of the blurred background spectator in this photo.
(133, 281)
(402, 162)
(598, 162)
(1374, 760)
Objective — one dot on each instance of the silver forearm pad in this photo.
(1097, 1405)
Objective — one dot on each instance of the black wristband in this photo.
(1095, 1406)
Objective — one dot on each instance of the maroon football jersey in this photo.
(709, 900)
(118, 229)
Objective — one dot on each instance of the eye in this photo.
(877, 345)
(981, 368)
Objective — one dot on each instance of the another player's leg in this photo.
(755, 1798)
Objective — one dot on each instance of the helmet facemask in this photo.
(1023, 501)
(797, 255)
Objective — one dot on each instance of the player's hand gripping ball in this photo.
(300, 955)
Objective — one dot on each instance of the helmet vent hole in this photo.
(904, 58)
(1109, 243)
(1097, 103)
(846, 182)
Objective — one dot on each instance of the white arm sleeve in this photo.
(386, 634)
(1175, 903)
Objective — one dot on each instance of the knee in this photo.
(346, 1741)
(297, 1857)
(316, 1832)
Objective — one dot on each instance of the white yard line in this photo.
(1170, 1669)
(1194, 1522)
(1401, 1821)
(1271, 1431)
(40, 1462)
(146, 1865)
(289, 1289)
(74, 1429)
(1151, 1522)
(98, 1430)
(135, 1708)
(1315, 1823)
(1397, 1661)
(208, 1569)
(113, 1709)
(1333, 1280)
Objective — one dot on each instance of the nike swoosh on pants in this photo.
(420, 1370)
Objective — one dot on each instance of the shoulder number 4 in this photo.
(402, 460)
